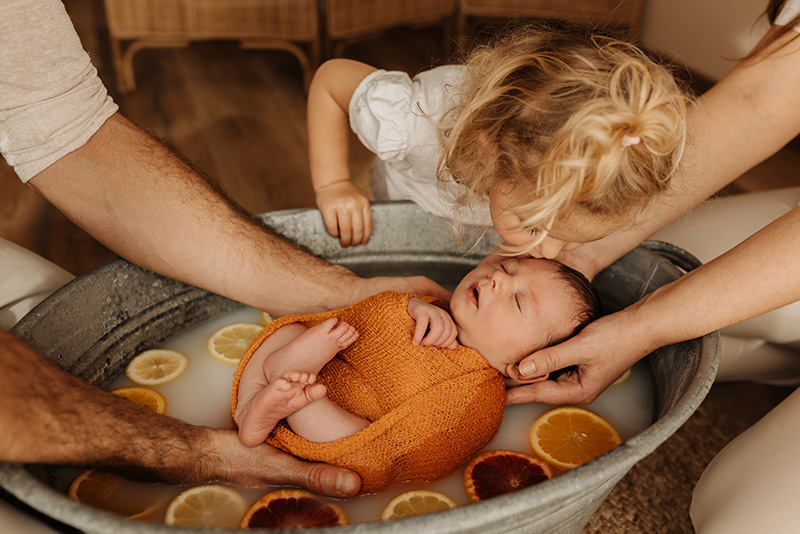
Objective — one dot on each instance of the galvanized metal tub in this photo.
(94, 325)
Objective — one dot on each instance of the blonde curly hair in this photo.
(565, 117)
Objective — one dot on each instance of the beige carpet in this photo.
(654, 497)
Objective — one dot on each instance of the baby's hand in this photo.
(346, 211)
(434, 325)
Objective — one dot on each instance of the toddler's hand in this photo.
(434, 325)
(346, 211)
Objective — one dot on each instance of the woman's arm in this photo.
(139, 199)
(744, 119)
(344, 206)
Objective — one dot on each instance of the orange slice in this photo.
(157, 366)
(266, 318)
(292, 508)
(145, 397)
(206, 506)
(569, 436)
(415, 503)
(114, 494)
(228, 344)
(496, 473)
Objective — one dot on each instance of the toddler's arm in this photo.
(434, 325)
(344, 206)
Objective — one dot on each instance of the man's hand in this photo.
(434, 325)
(601, 353)
(346, 211)
(228, 461)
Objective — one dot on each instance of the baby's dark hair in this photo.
(585, 298)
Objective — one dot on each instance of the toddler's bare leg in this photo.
(277, 400)
(324, 420)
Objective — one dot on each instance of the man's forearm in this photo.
(139, 199)
(50, 416)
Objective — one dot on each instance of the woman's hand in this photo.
(434, 325)
(346, 211)
(601, 353)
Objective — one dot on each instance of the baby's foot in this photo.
(280, 398)
(312, 349)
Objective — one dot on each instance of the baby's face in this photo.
(570, 231)
(511, 307)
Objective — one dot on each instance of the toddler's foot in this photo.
(277, 400)
(312, 349)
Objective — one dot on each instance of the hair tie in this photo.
(630, 140)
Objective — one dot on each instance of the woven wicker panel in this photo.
(213, 19)
(348, 18)
(626, 11)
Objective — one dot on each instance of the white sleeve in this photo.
(380, 110)
(51, 99)
(789, 11)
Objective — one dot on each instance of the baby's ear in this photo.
(514, 378)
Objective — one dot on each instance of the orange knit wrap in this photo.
(430, 409)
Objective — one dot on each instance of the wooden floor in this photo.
(240, 117)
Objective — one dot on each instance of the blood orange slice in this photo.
(292, 508)
(495, 473)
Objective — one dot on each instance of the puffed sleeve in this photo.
(51, 99)
(380, 110)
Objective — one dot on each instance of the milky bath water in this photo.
(201, 396)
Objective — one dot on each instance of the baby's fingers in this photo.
(419, 332)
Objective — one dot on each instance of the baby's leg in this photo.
(277, 400)
(324, 420)
(297, 348)
(291, 348)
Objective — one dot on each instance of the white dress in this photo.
(395, 117)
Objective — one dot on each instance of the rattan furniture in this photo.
(611, 13)
(350, 20)
(291, 25)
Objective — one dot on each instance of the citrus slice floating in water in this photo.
(415, 503)
(211, 505)
(112, 493)
(145, 397)
(569, 436)
(496, 473)
(625, 376)
(156, 366)
(266, 318)
(228, 344)
(292, 508)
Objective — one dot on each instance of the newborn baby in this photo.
(396, 387)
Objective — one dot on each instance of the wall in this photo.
(703, 34)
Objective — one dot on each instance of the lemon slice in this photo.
(144, 397)
(114, 494)
(157, 366)
(415, 503)
(229, 344)
(625, 376)
(206, 506)
(266, 318)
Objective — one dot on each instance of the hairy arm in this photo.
(138, 198)
(50, 416)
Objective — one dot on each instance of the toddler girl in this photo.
(534, 132)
